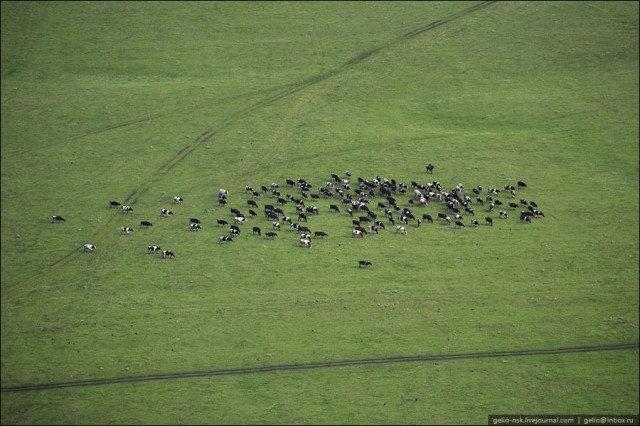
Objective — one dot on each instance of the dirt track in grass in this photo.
(326, 364)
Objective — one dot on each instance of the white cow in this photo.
(88, 247)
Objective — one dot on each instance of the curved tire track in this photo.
(210, 133)
(327, 364)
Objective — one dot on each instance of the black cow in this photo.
(256, 230)
(334, 208)
(320, 234)
(459, 224)
(194, 220)
(270, 234)
(489, 221)
(303, 229)
(428, 218)
(145, 224)
(113, 203)
(521, 185)
(252, 203)
(57, 219)
(442, 216)
(222, 222)
(364, 263)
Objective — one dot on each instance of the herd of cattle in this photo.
(353, 200)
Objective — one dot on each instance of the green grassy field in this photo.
(141, 101)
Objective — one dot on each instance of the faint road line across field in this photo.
(326, 364)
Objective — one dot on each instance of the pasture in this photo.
(140, 102)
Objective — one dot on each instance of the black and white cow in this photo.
(145, 224)
(364, 263)
(193, 226)
(89, 247)
(153, 249)
(239, 219)
(127, 209)
(401, 230)
(225, 239)
(305, 242)
(166, 213)
(503, 214)
(126, 230)
(167, 254)
(357, 233)
(177, 200)
(194, 220)
(474, 222)
(57, 219)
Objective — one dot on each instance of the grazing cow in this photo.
(166, 213)
(290, 182)
(235, 228)
(521, 185)
(364, 263)
(145, 224)
(401, 230)
(167, 254)
(357, 233)
(379, 224)
(513, 206)
(430, 168)
(276, 225)
(489, 221)
(194, 226)
(178, 200)
(503, 214)
(252, 203)
(224, 239)
(194, 220)
(459, 224)
(474, 222)
(256, 230)
(428, 218)
(305, 242)
(538, 213)
(222, 222)
(302, 216)
(334, 208)
(442, 216)
(153, 249)
(320, 234)
(373, 228)
(469, 210)
(252, 213)
(239, 219)
(448, 220)
(222, 193)
(126, 230)
(113, 203)
(303, 229)
(89, 247)
(127, 209)
(57, 219)
(270, 234)
(525, 218)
